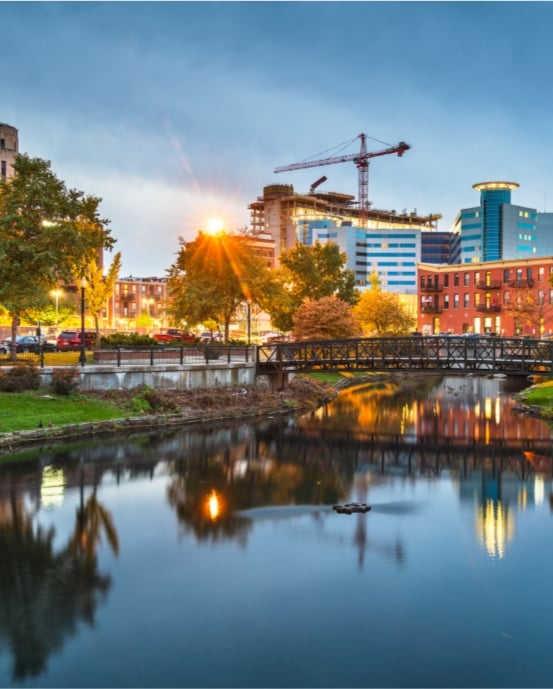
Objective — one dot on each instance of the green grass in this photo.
(27, 410)
(540, 395)
(332, 377)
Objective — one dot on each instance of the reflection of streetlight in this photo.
(56, 293)
(82, 358)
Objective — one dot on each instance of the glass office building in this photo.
(496, 229)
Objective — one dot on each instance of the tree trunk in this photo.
(13, 344)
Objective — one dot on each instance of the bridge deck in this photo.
(440, 354)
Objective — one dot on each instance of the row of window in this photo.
(509, 275)
(488, 300)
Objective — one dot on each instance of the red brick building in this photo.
(508, 298)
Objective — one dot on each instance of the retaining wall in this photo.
(161, 376)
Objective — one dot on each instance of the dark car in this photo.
(27, 344)
(71, 340)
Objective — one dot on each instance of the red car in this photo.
(176, 336)
(71, 340)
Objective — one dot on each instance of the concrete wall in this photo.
(165, 376)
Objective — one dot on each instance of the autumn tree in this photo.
(212, 276)
(530, 311)
(100, 287)
(326, 318)
(382, 312)
(308, 272)
(48, 233)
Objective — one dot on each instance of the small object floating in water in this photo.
(351, 508)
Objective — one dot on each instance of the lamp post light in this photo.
(56, 293)
(82, 358)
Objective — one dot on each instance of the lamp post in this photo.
(82, 358)
(56, 293)
(249, 304)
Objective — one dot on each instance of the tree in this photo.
(382, 312)
(326, 318)
(212, 276)
(100, 287)
(530, 311)
(48, 234)
(309, 272)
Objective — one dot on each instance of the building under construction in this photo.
(385, 242)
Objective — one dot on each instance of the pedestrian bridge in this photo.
(437, 354)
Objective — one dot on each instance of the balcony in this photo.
(431, 288)
(521, 283)
(489, 284)
(431, 308)
(488, 308)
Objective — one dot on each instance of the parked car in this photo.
(207, 337)
(175, 335)
(69, 340)
(27, 343)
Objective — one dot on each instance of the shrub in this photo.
(23, 375)
(127, 340)
(150, 400)
(65, 380)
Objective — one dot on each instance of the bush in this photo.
(127, 340)
(23, 375)
(65, 380)
(150, 400)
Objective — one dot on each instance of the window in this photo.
(3, 173)
(507, 275)
(446, 280)
(446, 301)
(506, 298)
(2, 144)
(466, 279)
(541, 273)
(477, 299)
(466, 300)
(455, 301)
(541, 297)
(423, 281)
(456, 280)
(476, 278)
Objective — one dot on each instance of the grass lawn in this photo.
(26, 410)
(541, 394)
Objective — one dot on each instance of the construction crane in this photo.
(361, 161)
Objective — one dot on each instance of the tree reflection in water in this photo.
(45, 594)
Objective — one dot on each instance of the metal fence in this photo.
(140, 356)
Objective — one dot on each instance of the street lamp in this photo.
(56, 293)
(82, 358)
(249, 304)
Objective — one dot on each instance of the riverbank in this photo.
(536, 400)
(146, 409)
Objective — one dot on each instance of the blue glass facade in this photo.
(491, 202)
(496, 230)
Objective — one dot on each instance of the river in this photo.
(214, 557)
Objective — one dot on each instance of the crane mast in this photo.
(361, 161)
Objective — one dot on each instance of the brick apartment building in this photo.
(508, 297)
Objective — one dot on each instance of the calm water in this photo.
(214, 558)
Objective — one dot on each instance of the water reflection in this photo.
(225, 485)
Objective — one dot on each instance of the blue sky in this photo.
(172, 112)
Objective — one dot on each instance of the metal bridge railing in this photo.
(459, 354)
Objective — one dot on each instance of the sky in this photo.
(174, 112)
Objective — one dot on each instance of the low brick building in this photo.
(509, 298)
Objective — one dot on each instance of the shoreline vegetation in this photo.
(38, 418)
(41, 419)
